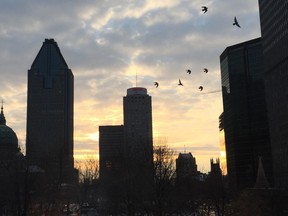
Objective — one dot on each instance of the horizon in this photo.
(106, 44)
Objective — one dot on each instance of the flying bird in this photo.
(201, 88)
(204, 9)
(236, 22)
(189, 71)
(180, 83)
(205, 70)
(156, 84)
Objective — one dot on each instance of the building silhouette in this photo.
(274, 31)
(215, 168)
(12, 170)
(126, 154)
(245, 115)
(137, 109)
(49, 136)
(186, 167)
(111, 152)
(131, 142)
(8, 141)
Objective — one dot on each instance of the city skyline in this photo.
(106, 44)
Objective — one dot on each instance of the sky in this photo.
(108, 43)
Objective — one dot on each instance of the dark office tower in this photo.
(111, 147)
(111, 161)
(49, 138)
(245, 116)
(138, 125)
(274, 29)
(138, 140)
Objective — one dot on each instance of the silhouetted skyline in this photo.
(107, 44)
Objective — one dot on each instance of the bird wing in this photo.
(205, 9)
(236, 22)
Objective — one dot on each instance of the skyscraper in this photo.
(49, 137)
(245, 116)
(138, 126)
(274, 30)
(126, 152)
(138, 141)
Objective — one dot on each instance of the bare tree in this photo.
(164, 176)
(88, 179)
(88, 170)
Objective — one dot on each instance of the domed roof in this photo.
(8, 138)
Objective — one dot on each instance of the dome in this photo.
(8, 138)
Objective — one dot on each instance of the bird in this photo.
(201, 88)
(205, 70)
(236, 22)
(180, 83)
(204, 9)
(189, 71)
(156, 84)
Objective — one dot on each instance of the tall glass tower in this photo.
(274, 30)
(245, 116)
(49, 137)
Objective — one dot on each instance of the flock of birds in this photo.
(205, 70)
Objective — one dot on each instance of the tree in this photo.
(88, 170)
(164, 176)
(88, 179)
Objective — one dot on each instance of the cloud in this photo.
(106, 43)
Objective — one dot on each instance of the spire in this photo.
(261, 181)
(2, 117)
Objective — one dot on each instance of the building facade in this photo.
(8, 142)
(111, 149)
(126, 153)
(138, 151)
(186, 167)
(274, 31)
(137, 108)
(49, 135)
(12, 170)
(245, 115)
